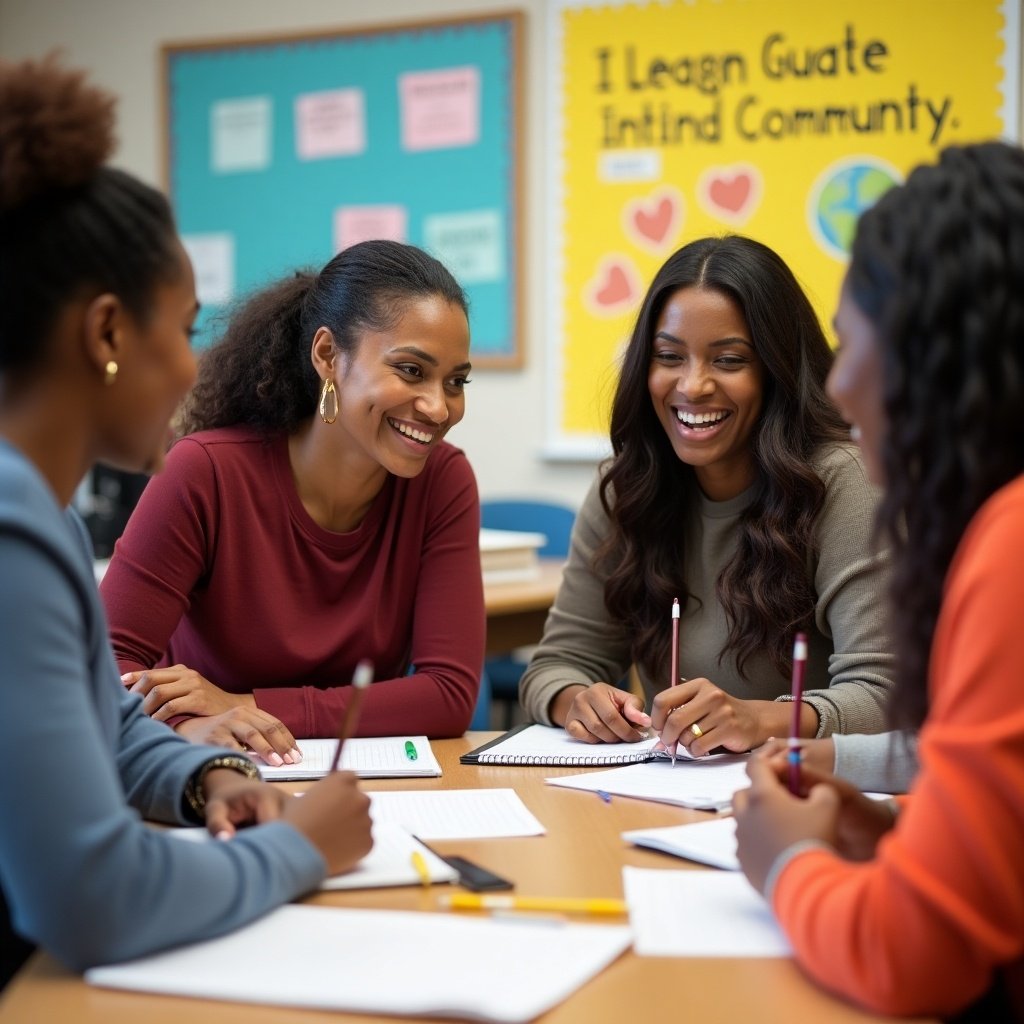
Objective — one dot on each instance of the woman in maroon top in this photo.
(313, 516)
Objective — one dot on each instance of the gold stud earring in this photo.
(111, 373)
(328, 402)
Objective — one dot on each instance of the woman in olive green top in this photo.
(734, 487)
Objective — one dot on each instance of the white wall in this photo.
(119, 42)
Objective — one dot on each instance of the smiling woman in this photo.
(313, 516)
(733, 486)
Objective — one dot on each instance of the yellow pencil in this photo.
(420, 865)
(557, 904)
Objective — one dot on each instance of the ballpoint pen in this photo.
(556, 904)
(410, 750)
(793, 753)
(361, 679)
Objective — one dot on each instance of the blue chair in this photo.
(481, 720)
(503, 672)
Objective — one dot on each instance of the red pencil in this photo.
(361, 679)
(793, 755)
(674, 677)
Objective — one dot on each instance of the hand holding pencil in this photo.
(334, 814)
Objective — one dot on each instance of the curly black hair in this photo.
(937, 266)
(68, 223)
(765, 589)
(260, 372)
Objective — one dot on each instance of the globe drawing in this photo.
(841, 194)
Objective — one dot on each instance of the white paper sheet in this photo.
(699, 913)
(370, 757)
(707, 842)
(707, 783)
(386, 962)
(388, 863)
(456, 813)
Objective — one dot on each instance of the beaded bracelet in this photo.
(194, 793)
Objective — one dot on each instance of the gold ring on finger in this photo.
(696, 730)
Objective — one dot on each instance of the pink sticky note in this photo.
(331, 123)
(440, 108)
(362, 223)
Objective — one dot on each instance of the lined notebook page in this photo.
(370, 757)
(706, 783)
(552, 745)
(699, 913)
(456, 813)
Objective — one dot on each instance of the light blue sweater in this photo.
(82, 766)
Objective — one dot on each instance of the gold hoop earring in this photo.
(111, 373)
(328, 402)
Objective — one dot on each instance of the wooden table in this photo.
(581, 855)
(516, 611)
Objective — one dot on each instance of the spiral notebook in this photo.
(552, 745)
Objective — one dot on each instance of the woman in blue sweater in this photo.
(97, 301)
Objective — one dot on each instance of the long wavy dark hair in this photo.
(765, 589)
(260, 372)
(938, 267)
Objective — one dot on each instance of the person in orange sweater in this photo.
(918, 908)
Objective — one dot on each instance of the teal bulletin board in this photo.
(280, 152)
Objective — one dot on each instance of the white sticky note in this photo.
(440, 109)
(354, 224)
(213, 263)
(240, 133)
(630, 165)
(471, 244)
(331, 123)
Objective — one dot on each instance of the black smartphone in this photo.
(476, 878)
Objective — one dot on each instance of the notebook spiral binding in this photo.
(585, 760)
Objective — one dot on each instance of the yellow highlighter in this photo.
(551, 904)
(420, 865)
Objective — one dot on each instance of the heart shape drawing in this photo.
(654, 222)
(731, 193)
(613, 287)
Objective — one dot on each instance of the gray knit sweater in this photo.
(848, 677)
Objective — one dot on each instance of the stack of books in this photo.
(510, 556)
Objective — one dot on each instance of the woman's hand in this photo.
(178, 690)
(246, 729)
(233, 801)
(334, 815)
(772, 819)
(600, 714)
(721, 720)
(817, 756)
(862, 821)
(769, 819)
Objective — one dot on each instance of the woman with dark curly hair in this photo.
(733, 486)
(931, 375)
(312, 517)
(97, 302)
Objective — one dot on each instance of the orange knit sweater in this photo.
(924, 926)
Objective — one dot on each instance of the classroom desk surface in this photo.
(581, 855)
(516, 611)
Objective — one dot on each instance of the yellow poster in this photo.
(779, 119)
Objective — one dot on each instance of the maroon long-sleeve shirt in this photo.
(222, 569)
